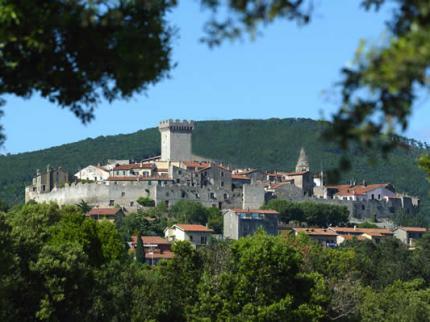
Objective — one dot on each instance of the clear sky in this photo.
(284, 73)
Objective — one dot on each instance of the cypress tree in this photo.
(140, 253)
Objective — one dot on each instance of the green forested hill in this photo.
(265, 144)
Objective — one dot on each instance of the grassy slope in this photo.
(266, 144)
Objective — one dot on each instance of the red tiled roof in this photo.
(348, 190)
(256, 211)
(139, 178)
(369, 231)
(352, 237)
(103, 211)
(414, 229)
(316, 231)
(134, 166)
(191, 227)
(196, 164)
(155, 240)
(240, 177)
(159, 255)
(280, 184)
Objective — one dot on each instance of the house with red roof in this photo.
(409, 235)
(198, 235)
(323, 236)
(111, 214)
(156, 248)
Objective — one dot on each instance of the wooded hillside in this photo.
(265, 144)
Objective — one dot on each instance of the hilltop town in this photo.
(177, 174)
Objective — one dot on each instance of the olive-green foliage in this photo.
(261, 282)
(400, 301)
(148, 222)
(64, 40)
(314, 214)
(145, 202)
(56, 251)
(58, 265)
(189, 212)
(140, 253)
(367, 224)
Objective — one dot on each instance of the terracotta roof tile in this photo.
(192, 227)
(140, 178)
(349, 190)
(134, 166)
(369, 231)
(316, 231)
(414, 229)
(155, 240)
(240, 177)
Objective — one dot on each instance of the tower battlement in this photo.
(176, 140)
(176, 125)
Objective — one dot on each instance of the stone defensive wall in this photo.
(101, 194)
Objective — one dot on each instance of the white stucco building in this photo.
(196, 234)
(92, 173)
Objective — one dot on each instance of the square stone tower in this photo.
(176, 140)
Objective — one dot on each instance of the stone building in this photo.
(243, 222)
(176, 140)
(179, 175)
(46, 181)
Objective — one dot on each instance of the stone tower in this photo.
(303, 163)
(176, 140)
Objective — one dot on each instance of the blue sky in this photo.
(284, 73)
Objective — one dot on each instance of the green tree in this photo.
(262, 282)
(140, 252)
(215, 220)
(145, 202)
(64, 40)
(401, 301)
(84, 206)
(189, 212)
(312, 213)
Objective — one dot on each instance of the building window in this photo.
(179, 172)
(203, 240)
(222, 183)
(43, 188)
(222, 174)
(111, 202)
(123, 173)
(177, 180)
(373, 196)
(191, 238)
(149, 182)
(379, 197)
(363, 207)
(122, 194)
(131, 203)
(183, 194)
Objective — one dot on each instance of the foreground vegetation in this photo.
(59, 266)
